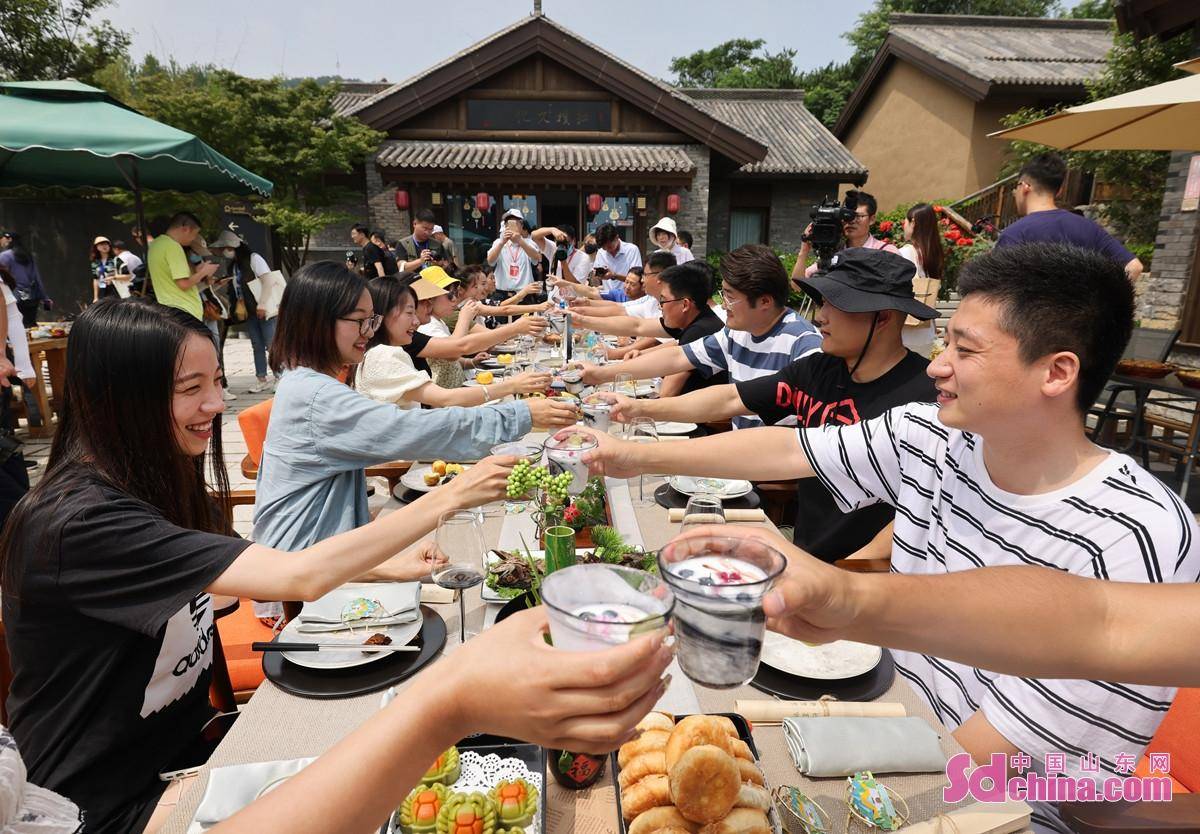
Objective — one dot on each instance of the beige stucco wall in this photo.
(987, 155)
(915, 136)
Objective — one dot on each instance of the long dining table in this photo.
(275, 725)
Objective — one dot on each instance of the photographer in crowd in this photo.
(514, 257)
(421, 248)
(614, 258)
(567, 263)
(856, 230)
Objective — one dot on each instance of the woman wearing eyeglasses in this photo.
(322, 433)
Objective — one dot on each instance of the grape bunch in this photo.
(524, 478)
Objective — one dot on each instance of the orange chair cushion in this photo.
(253, 423)
(1177, 735)
(238, 631)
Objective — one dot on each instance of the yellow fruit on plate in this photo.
(505, 358)
(484, 377)
(454, 468)
(431, 478)
(439, 466)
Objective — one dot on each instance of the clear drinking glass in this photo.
(624, 384)
(702, 508)
(592, 607)
(719, 584)
(566, 455)
(460, 538)
(597, 412)
(642, 430)
(599, 353)
(530, 452)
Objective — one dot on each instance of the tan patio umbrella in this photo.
(1165, 117)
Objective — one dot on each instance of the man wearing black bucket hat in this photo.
(862, 370)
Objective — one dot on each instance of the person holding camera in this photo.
(514, 257)
(421, 248)
(558, 245)
(614, 258)
(857, 232)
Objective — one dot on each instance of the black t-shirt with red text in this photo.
(817, 391)
(110, 634)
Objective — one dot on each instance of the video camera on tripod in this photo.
(825, 232)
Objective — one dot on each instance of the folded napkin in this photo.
(321, 627)
(767, 711)
(843, 746)
(230, 789)
(675, 515)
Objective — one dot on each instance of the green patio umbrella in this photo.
(66, 133)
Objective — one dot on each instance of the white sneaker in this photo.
(262, 385)
(228, 395)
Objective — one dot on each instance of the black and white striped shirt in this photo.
(1117, 522)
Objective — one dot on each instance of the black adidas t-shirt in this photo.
(110, 634)
(818, 390)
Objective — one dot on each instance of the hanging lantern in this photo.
(672, 203)
(482, 201)
(593, 203)
(401, 199)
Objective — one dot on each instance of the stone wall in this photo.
(332, 242)
(693, 208)
(791, 203)
(1162, 299)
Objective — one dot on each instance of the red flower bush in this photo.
(885, 226)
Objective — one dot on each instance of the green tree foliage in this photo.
(286, 133)
(737, 63)
(44, 40)
(1140, 175)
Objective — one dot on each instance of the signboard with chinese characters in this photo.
(512, 114)
(1191, 191)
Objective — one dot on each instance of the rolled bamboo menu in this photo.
(676, 515)
(762, 711)
(978, 818)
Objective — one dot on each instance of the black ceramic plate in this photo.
(512, 607)
(532, 755)
(865, 687)
(359, 680)
(667, 496)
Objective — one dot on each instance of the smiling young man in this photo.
(1003, 473)
(761, 334)
(685, 316)
(861, 371)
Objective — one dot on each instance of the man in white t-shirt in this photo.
(615, 257)
(999, 472)
(514, 256)
(575, 266)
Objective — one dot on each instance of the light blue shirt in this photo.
(322, 434)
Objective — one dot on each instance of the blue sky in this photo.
(373, 39)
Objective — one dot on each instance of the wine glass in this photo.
(702, 508)
(460, 539)
(641, 430)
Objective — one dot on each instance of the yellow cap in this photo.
(438, 276)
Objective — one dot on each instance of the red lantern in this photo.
(483, 201)
(401, 199)
(593, 203)
(672, 203)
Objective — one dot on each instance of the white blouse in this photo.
(387, 373)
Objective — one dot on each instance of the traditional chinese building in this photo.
(537, 118)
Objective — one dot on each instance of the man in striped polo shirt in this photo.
(999, 472)
(761, 335)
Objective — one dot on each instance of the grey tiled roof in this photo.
(533, 156)
(353, 93)
(797, 142)
(1010, 50)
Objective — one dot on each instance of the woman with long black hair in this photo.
(104, 267)
(109, 562)
(924, 249)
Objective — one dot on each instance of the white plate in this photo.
(722, 487)
(669, 427)
(644, 389)
(394, 596)
(414, 478)
(491, 596)
(831, 661)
